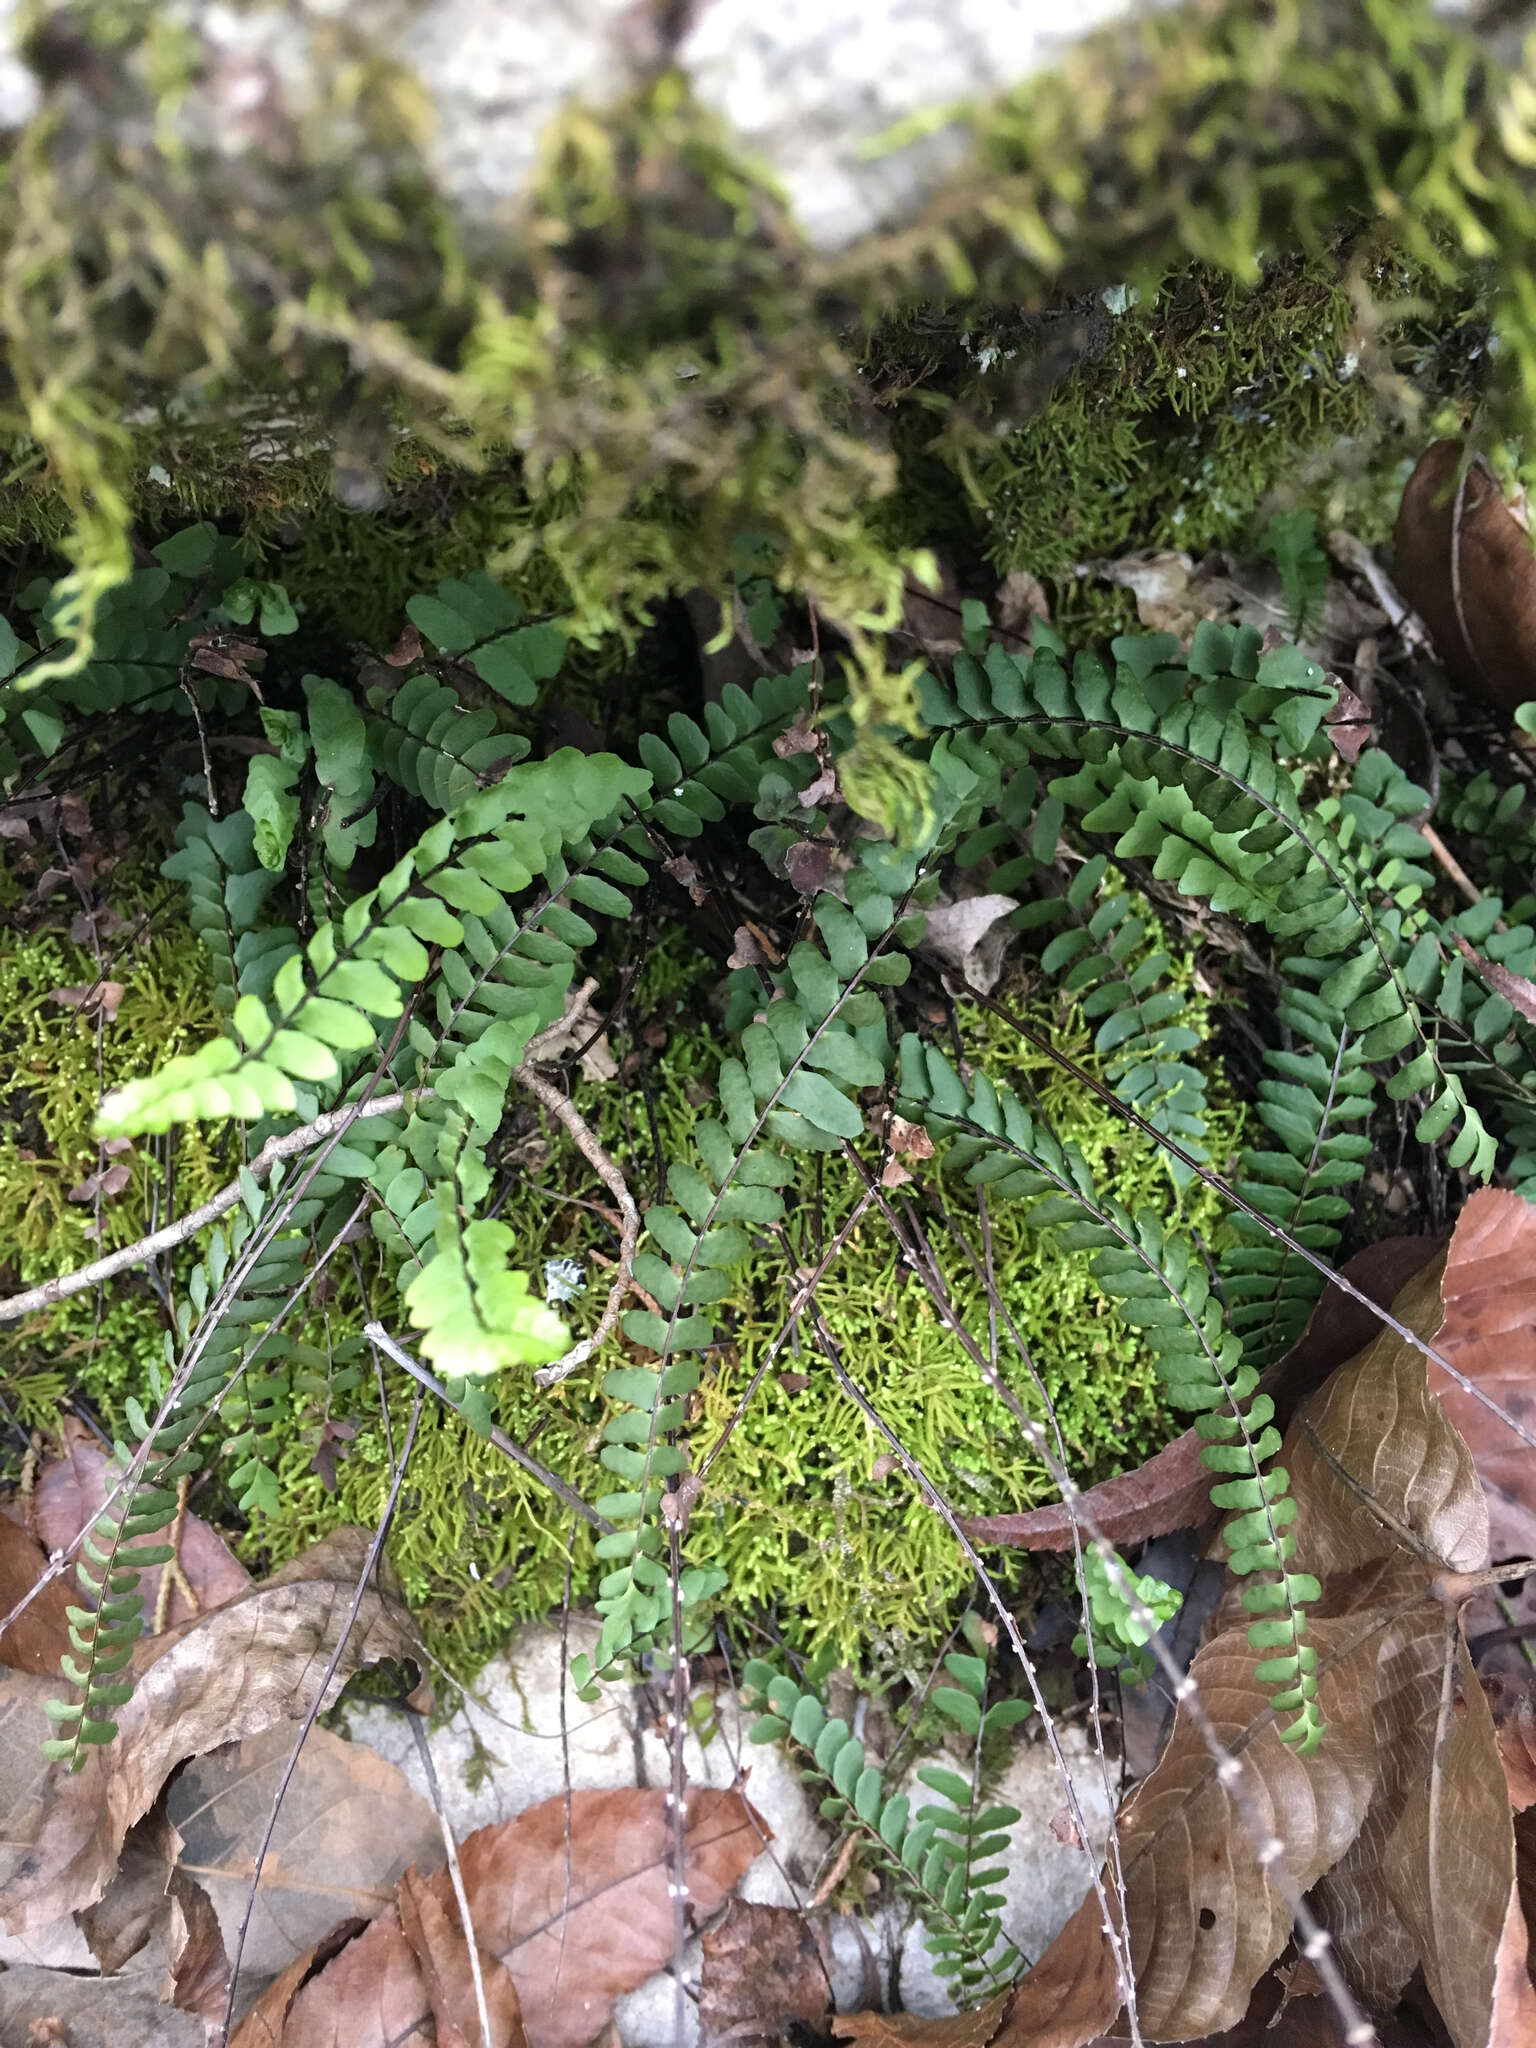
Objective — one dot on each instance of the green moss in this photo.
(802, 1508)
(661, 300)
(54, 1068)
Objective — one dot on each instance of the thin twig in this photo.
(377, 1334)
(1351, 553)
(64, 1285)
(565, 1111)
(455, 1874)
(1452, 865)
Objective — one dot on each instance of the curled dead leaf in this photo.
(1466, 565)
(93, 999)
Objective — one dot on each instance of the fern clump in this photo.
(385, 1015)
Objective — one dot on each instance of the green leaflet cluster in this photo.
(142, 650)
(941, 1856)
(1113, 958)
(1120, 1638)
(1161, 1287)
(818, 1034)
(212, 1341)
(1179, 760)
(1315, 1099)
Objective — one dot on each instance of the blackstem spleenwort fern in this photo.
(940, 1856)
(429, 985)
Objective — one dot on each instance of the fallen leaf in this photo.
(685, 873)
(196, 1964)
(134, 1904)
(575, 1904)
(751, 947)
(106, 1182)
(406, 649)
(39, 1635)
(762, 1971)
(1377, 1462)
(978, 2029)
(349, 1826)
(1205, 1919)
(570, 1898)
(1071, 1994)
(263, 2025)
(1489, 1335)
(807, 865)
(69, 1495)
(970, 938)
(1450, 1867)
(1171, 1490)
(1349, 723)
(1465, 564)
(219, 1678)
(94, 2012)
(438, 1942)
(93, 999)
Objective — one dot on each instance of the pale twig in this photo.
(377, 1334)
(1453, 867)
(565, 1111)
(63, 1285)
(455, 1875)
(1351, 553)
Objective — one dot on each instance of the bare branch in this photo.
(85, 1277)
(565, 1111)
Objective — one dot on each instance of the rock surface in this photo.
(808, 86)
(504, 1750)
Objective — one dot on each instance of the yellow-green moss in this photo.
(50, 1086)
(800, 1510)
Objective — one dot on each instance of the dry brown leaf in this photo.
(93, 999)
(196, 1965)
(970, 938)
(68, 1497)
(978, 2029)
(39, 1635)
(570, 1899)
(576, 1904)
(370, 1996)
(1205, 1919)
(350, 1825)
(134, 1904)
(1489, 1335)
(762, 1970)
(1465, 564)
(1514, 1719)
(438, 1943)
(1353, 1900)
(1071, 1994)
(91, 2012)
(1172, 1490)
(1375, 1462)
(1450, 1866)
(263, 2025)
(224, 1676)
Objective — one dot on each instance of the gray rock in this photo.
(502, 1751)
